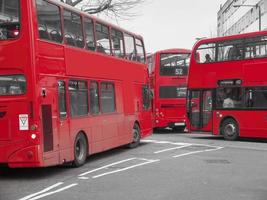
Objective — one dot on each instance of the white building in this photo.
(241, 19)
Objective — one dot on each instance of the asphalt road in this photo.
(166, 166)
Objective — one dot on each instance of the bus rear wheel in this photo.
(80, 150)
(136, 136)
(230, 129)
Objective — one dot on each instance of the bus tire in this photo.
(230, 129)
(80, 150)
(136, 136)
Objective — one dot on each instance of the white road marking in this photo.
(106, 166)
(124, 169)
(53, 192)
(170, 149)
(178, 143)
(42, 191)
(195, 152)
(83, 178)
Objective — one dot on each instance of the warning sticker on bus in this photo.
(23, 122)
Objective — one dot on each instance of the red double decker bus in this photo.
(168, 71)
(70, 85)
(228, 86)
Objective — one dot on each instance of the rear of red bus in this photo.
(17, 140)
(169, 83)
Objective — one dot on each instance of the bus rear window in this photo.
(174, 64)
(9, 19)
(168, 92)
(11, 85)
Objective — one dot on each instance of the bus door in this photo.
(63, 123)
(200, 110)
(49, 123)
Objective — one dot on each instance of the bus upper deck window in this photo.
(9, 19)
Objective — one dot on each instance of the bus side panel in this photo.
(248, 128)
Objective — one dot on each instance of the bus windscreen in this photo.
(174, 64)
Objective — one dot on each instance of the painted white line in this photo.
(195, 152)
(42, 191)
(124, 169)
(165, 142)
(53, 192)
(106, 166)
(170, 149)
(178, 143)
(83, 178)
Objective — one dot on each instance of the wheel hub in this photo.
(230, 129)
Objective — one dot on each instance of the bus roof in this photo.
(174, 50)
(71, 8)
(230, 37)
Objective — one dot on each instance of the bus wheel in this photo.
(80, 150)
(136, 136)
(230, 129)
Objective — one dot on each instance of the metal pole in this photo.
(259, 18)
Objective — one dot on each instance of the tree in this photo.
(112, 8)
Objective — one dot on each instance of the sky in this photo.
(174, 23)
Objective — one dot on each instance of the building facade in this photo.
(241, 16)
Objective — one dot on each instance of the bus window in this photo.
(206, 53)
(89, 34)
(107, 97)
(9, 19)
(78, 96)
(117, 43)
(174, 64)
(94, 98)
(12, 85)
(129, 47)
(102, 39)
(62, 99)
(256, 97)
(230, 97)
(73, 29)
(256, 47)
(172, 92)
(49, 23)
(140, 51)
(230, 50)
(146, 96)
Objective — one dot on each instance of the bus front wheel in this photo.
(230, 129)
(80, 150)
(136, 136)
